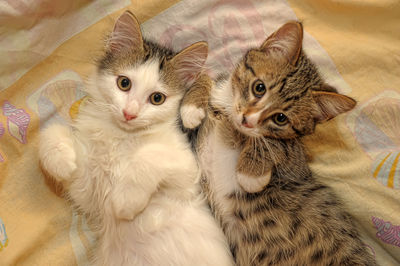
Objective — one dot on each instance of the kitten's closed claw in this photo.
(192, 116)
(253, 184)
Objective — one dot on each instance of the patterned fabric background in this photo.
(48, 48)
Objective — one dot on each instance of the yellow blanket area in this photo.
(47, 50)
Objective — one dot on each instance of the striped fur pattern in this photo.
(255, 172)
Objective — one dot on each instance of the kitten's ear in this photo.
(331, 104)
(286, 42)
(328, 88)
(190, 61)
(126, 34)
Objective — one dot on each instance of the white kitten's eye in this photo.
(157, 98)
(124, 83)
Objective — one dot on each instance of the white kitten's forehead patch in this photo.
(145, 76)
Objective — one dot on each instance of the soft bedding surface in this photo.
(47, 49)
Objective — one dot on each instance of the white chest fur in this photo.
(218, 162)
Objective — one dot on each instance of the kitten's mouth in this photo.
(128, 125)
(133, 125)
(125, 124)
(246, 129)
(250, 131)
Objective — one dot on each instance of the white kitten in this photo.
(125, 162)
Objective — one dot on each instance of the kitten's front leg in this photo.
(254, 167)
(56, 152)
(194, 104)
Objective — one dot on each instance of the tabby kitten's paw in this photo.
(128, 202)
(252, 184)
(192, 116)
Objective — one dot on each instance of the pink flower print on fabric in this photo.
(17, 121)
(387, 232)
(2, 130)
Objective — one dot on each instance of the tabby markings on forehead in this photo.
(283, 85)
(297, 96)
(247, 66)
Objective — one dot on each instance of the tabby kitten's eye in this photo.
(124, 83)
(258, 89)
(157, 98)
(280, 119)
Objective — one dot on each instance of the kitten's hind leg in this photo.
(194, 104)
(56, 152)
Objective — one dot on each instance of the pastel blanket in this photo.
(47, 50)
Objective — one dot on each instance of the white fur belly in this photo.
(171, 232)
(218, 162)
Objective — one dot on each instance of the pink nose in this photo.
(246, 123)
(128, 116)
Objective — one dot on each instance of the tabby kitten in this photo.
(126, 163)
(255, 172)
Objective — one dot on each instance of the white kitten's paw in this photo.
(56, 153)
(253, 184)
(128, 202)
(59, 161)
(192, 116)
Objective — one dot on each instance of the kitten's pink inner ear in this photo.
(331, 104)
(126, 33)
(189, 63)
(286, 42)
